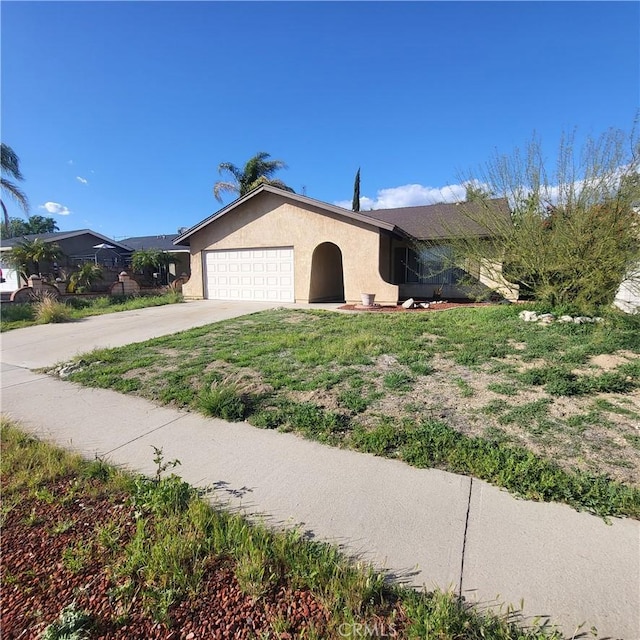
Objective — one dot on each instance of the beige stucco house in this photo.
(273, 245)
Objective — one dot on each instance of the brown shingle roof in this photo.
(438, 221)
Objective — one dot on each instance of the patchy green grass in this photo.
(160, 559)
(16, 316)
(337, 377)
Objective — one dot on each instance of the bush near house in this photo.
(574, 232)
(81, 281)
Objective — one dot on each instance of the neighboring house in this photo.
(278, 246)
(78, 247)
(85, 245)
(180, 254)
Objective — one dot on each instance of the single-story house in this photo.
(77, 247)
(85, 245)
(274, 245)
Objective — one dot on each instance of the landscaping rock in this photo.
(408, 304)
(67, 368)
(549, 318)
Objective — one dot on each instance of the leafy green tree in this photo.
(28, 256)
(82, 280)
(355, 204)
(41, 224)
(34, 224)
(574, 230)
(257, 170)
(10, 164)
(476, 192)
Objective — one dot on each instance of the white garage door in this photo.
(250, 274)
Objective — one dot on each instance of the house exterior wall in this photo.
(269, 220)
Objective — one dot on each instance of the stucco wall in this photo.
(269, 220)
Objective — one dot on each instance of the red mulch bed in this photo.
(433, 306)
(36, 584)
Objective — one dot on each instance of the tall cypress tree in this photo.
(355, 205)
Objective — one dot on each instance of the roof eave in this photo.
(292, 196)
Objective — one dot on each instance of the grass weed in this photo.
(49, 310)
(559, 381)
(224, 401)
(466, 390)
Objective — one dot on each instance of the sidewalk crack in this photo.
(143, 435)
(464, 538)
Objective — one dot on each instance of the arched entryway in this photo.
(327, 278)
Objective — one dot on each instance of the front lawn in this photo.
(16, 316)
(548, 412)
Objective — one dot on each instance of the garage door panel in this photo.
(250, 274)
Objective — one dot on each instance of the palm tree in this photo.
(11, 165)
(81, 281)
(258, 170)
(30, 253)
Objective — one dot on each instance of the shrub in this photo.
(83, 279)
(224, 401)
(17, 312)
(47, 310)
(72, 624)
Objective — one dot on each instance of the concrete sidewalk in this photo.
(427, 527)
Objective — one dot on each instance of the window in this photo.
(426, 265)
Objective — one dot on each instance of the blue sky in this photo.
(120, 112)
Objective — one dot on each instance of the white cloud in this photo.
(408, 195)
(83, 180)
(69, 162)
(55, 208)
(413, 195)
